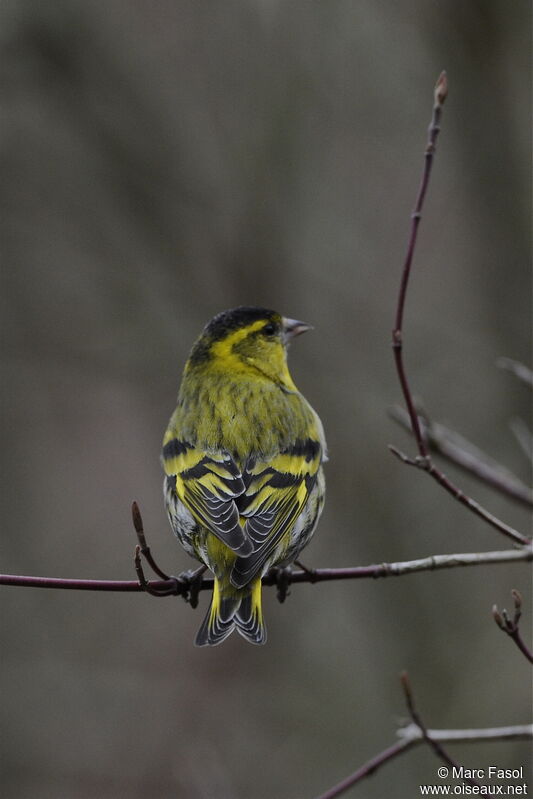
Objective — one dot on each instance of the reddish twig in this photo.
(178, 585)
(69, 583)
(511, 626)
(144, 549)
(145, 585)
(423, 460)
(170, 586)
(441, 92)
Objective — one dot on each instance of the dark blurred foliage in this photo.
(162, 162)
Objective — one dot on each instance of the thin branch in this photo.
(423, 461)
(370, 767)
(144, 584)
(515, 732)
(144, 549)
(186, 584)
(432, 742)
(518, 369)
(70, 583)
(426, 464)
(412, 735)
(440, 94)
(431, 563)
(511, 626)
(464, 454)
(179, 585)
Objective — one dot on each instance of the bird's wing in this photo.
(208, 484)
(276, 493)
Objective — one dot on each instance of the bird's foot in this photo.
(282, 577)
(191, 583)
(187, 584)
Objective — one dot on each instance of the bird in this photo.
(244, 485)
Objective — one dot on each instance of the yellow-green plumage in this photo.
(242, 455)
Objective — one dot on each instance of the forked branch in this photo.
(468, 457)
(511, 626)
(417, 720)
(417, 733)
(423, 460)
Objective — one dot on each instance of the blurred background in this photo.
(162, 162)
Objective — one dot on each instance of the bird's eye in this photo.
(269, 329)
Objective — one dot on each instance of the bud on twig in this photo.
(137, 518)
(441, 89)
(497, 617)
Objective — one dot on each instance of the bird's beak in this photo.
(292, 328)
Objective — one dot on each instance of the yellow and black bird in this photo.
(243, 454)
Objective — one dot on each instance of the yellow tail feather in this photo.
(241, 610)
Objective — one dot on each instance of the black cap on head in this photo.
(230, 320)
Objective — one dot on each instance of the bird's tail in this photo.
(229, 611)
(249, 616)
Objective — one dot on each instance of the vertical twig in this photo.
(144, 549)
(441, 92)
(424, 460)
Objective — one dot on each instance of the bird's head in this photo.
(247, 341)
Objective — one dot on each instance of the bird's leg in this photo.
(191, 580)
(282, 576)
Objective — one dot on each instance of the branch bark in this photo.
(180, 585)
